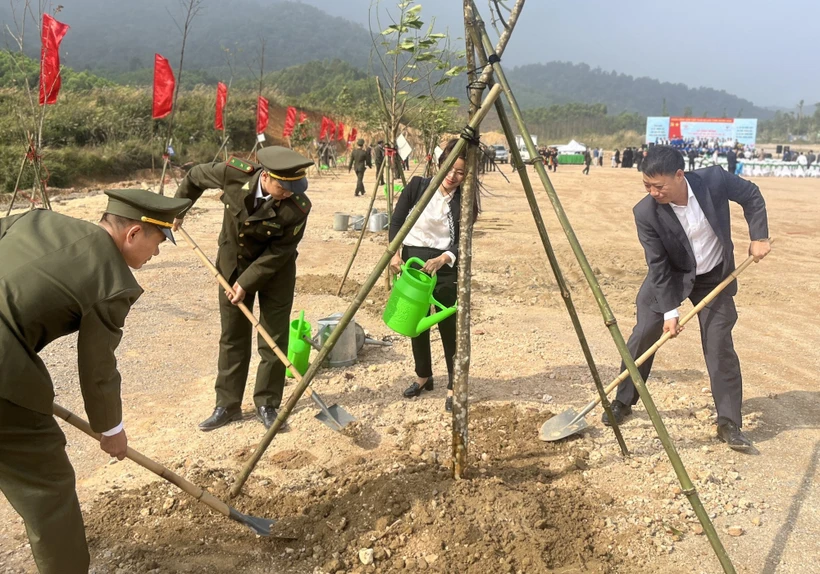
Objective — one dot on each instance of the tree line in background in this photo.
(101, 130)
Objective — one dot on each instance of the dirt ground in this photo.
(385, 486)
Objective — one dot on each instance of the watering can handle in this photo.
(412, 260)
(437, 304)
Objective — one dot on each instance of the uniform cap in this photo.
(360, 142)
(146, 206)
(286, 166)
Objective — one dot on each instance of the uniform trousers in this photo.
(716, 322)
(446, 293)
(236, 341)
(360, 182)
(38, 480)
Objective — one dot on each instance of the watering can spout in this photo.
(436, 318)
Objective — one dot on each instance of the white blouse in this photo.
(433, 227)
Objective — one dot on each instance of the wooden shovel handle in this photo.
(686, 318)
(145, 462)
(244, 308)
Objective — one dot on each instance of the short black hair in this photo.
(662, 160)
(118, 222)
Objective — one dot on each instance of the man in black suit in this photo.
(692, 154)
(685, 229)
(731, 159)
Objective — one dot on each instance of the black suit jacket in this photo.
(410, 197)
(669, 255)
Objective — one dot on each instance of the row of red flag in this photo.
(53, 33)
(164, 93)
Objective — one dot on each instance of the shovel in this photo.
(569, 422)
(260, 526)
(333, 416)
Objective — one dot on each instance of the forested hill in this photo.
(117, 39)
(541, 85)
(110, 38)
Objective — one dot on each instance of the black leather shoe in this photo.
(448, 404)
(415, 389)
(619, 410)
(220, 417)
(266, 414)
(733, 436)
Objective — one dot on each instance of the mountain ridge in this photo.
(119, 45)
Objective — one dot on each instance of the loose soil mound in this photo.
(525, 509)
(329, 285)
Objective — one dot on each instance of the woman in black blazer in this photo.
(434, 240)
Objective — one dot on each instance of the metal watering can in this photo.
(407, 310)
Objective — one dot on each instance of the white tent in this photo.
(572, 147)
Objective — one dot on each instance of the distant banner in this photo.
(740, 130)
(656, 128)
(746, 131)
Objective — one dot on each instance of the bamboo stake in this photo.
(17, 185)
(461, 363)
(566, 294)
(609, 318)
(364, 228)
(384, 261)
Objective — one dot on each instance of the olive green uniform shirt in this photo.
(60, 275)
(252, 244)
(359, 160)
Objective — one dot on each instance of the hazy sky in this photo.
(768, 52)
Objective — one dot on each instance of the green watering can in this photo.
(298, 348)
(407, 310)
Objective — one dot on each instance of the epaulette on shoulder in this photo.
(239, 164)
(302, 202)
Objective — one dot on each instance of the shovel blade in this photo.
(335, 417)
(259, 525)
(562, 426)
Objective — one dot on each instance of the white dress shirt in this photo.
(433, 227)
(116, 430)
(705, 243)
(259, 193)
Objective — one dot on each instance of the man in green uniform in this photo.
(360, 161)
(60, 275)
(264, 220)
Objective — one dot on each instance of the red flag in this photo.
(340, 132)
(163, 87)
(50, 81)
(302, 117)
(290, 122)
(326, 124)
(221, 100)
(261, 115)
(351, 137)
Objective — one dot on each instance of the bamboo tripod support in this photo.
(553, 260)
(609, 319)
(376, 187)
(37, 186)
(357, 302)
